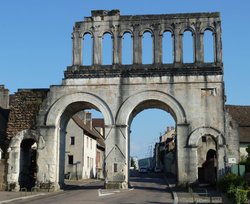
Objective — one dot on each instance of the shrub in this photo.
(238, 195)
(231, 180)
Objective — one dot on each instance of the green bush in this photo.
(235, 187)
(238, 195)
(231, 180)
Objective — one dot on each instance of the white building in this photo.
(81, 147)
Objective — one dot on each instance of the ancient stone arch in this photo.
(192, 92)
(14, 151)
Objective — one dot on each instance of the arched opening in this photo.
(127, 49)
(147, 48)
(152, 148)
(28, 164)
(87, 49)
(188, 47)
(207, 159)
(82, 145)
(107, 49)
(208, 40)
(167, 48)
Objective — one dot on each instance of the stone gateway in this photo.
(192, 92)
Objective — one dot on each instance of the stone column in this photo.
(14, 167)
(199, 47)
(186, 157)
(137, 47)
(218, 43)
(221, 163)
(116, 157)
(77, 48)
(178, 53)
(97, 49)
(157, 47)
(116, 47)
(48, 157)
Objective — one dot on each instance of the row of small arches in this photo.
(188, 48)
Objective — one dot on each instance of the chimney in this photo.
(88, 119)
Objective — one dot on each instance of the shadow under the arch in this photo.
(83, 185)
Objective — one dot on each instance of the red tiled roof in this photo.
(241, 114)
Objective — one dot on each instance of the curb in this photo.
(21, 198)
(174, 194)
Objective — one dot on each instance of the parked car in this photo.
(143, 170)
(157, 170)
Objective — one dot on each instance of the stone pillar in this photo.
(97, 49)
(137, 48)
(157, 47)
(178, 53)
(116, 47)
(221, 163)
(218, 43)
(14, 166)
(48, 158)
(186, 158)
(199, 47)
(77, 48)
(116, 157)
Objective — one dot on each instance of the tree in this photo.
(132, 164)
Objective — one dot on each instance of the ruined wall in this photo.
(24, 107)
(4, 113)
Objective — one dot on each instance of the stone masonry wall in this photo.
(24, 107)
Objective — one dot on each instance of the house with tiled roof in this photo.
(84, 148)
(240, 125)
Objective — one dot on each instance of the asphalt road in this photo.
(145, 188)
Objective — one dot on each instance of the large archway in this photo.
(152, 99)
(56, 122)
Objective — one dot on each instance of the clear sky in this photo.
(36, 47)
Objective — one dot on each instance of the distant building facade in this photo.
(84, 153)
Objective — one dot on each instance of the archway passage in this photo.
(152, 141)
(28, 164)
(82, 145)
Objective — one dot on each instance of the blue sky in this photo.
(35, 40)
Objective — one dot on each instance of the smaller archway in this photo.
(207, 159)
(28, 163)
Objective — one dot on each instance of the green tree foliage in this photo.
(132, 164)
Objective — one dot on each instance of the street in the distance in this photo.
(145, 188)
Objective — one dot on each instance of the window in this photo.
(127, 49)
(188, 47)
(71, 159)
(115, 167)
(204, 139)
(167, 48)
(90, 143)
(147, 48)
(87, 142)
(87, 162)
(72, 140)
(208, 46)
(107, 49)
(87, 49)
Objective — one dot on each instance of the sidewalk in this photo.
(11, 196)
(204, 194)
